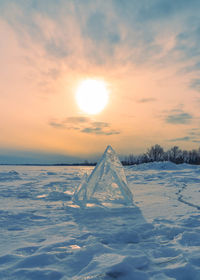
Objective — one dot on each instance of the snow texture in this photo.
(43, 235)
(106, 184)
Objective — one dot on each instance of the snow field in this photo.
(43, 235)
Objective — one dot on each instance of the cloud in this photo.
(102, 32)
(179, 118)
(192, 136)
(77, 120)
(101, 124)
(99, 30)
(186, 138)
(56, 50)
(195, 84)
(158, 10)
(70, 123)
(99, 129)
(194, 67)
(186, 50)
(85, 125)
(146, 100)
(187, 41)
(195, 135)
(56, 124)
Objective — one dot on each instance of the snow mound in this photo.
(161, 165)
(106, 184)
(8, 176)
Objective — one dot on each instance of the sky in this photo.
(147, 52)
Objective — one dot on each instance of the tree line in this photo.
(157, 153)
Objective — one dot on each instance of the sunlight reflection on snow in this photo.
(74, 247)
(41, 196)
(73, 205)
(69, 192)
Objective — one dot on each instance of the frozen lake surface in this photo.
(44, 236)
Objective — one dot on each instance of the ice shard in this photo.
(106, 184)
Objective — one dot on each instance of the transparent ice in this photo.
(106, 184)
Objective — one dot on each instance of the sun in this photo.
(92, 96)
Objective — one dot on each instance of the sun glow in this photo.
(92, 96)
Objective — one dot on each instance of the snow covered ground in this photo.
(43, 237)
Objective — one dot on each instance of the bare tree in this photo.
(155, 153)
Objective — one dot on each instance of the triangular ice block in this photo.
(106, 184)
